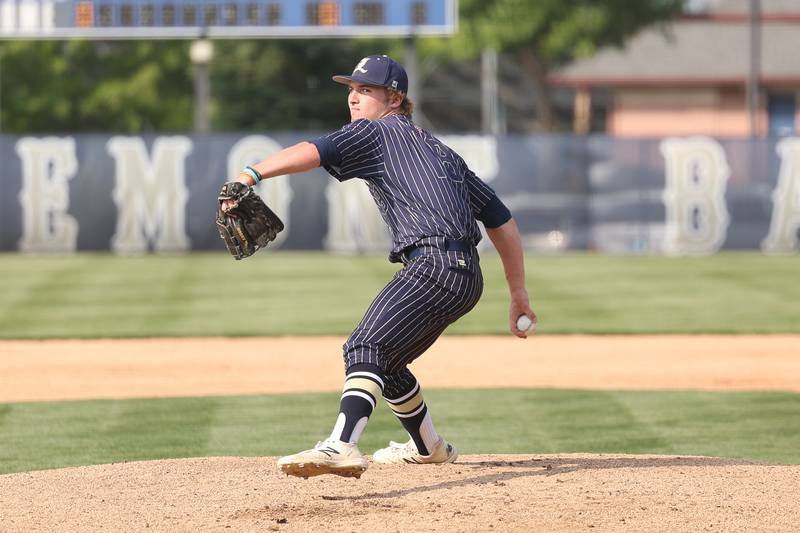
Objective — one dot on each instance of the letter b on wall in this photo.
(696, 179)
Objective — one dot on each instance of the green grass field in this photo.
(756, 426)
(90, 295)
(100, 295)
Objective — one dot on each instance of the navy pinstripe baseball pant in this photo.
(431, 292)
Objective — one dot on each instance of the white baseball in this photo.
(525, 325)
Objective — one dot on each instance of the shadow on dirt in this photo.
(501, 471)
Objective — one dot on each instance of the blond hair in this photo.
(406, 106)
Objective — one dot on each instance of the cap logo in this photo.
(394, 84)
(361, 65)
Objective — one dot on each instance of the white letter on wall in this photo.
(150, 194)
(479, 153)
(277, 193)
(783, 228)
(697, 176)
(47, 165)
(354, 223)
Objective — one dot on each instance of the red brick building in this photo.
(690, 77)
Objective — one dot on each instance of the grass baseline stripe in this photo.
(101, 295)
(748, 425)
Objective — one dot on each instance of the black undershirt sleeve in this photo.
(328, 153)
(494, 214)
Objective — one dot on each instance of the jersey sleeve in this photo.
(354, 151)
(485, 204)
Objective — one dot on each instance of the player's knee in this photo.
(363, 353)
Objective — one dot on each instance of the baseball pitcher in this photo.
(431, 202)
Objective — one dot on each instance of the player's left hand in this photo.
(244, 221)
(520, 305)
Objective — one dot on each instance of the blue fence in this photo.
(149, 193)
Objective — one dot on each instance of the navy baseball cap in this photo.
(380, 70)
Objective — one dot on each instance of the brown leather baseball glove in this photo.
(248, 224)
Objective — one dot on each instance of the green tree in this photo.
(543, 34)
(143, 86)
(282, 84)
(119, 86)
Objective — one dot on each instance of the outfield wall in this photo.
(134, 194)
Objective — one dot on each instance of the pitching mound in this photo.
(480, 493)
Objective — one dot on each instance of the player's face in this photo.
(368, 101)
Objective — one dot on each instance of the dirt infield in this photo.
(75, 369)
(486, 493)
(479, 493)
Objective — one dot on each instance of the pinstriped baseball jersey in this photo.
(430, 200)
(413, 310)
(422, 188)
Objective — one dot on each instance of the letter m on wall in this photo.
(150, 194)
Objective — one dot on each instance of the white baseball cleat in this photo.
(327, 457)
(443, 452)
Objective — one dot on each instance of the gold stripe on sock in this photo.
(363, 384)
(409, 405)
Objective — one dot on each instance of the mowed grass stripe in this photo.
(141, 429)
(200, 294)
(36, 287)
(101, 295)
(766, 422)
(750, 425)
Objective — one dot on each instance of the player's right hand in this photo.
(520, 305)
